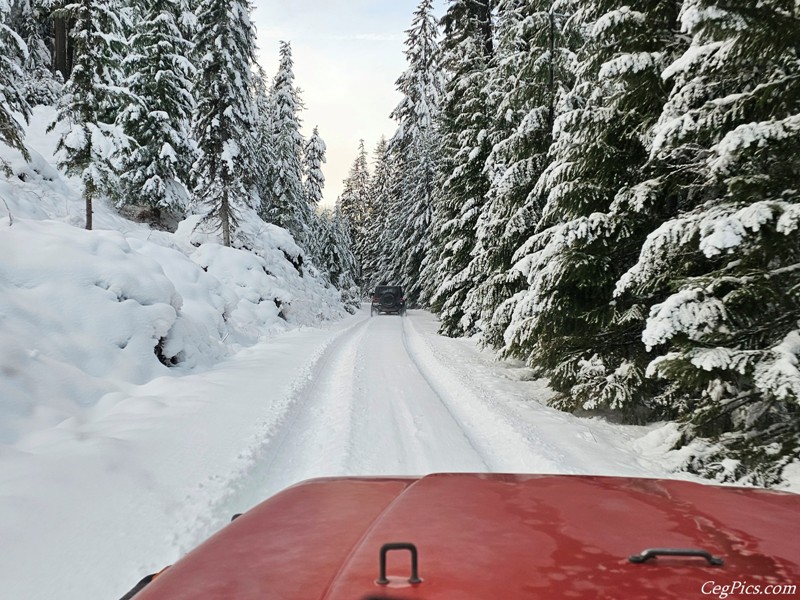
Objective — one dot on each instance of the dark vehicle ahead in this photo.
(388, 299)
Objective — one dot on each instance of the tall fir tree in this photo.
(415, 152)
(356, 208)
(89, 140)
(567, 324)
(263, 142)
(225, 45)
(333, 250)
(314, 181)
(461, 184)
(720, 274)
(378, 260)
(314, 158)
(531, 71)
(13, 54)
(286, 204)
(159, 73)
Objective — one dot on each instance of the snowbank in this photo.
(82, 312)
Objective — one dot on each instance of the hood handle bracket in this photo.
(646, 555)
(385, 549)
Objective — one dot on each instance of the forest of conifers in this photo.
(609, 192)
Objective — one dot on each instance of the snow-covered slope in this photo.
(83, 311)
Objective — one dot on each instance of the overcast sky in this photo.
(347, 56)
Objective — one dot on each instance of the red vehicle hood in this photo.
(495, 537)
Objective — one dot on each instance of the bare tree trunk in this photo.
(89, 191)
(89, 211)
(60, 58)
(225, 220)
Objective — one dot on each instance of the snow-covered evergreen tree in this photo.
(332, 248)
(314, 177)
(159, 73)
(721, 275)
(378, 260)
(225, 43)
(30, 20)
(421, 83)
(92, 96)
(356, 207)
(462, 184)
(567, 324)
(531, 71)
(415, 151)
(13, 54)
(314, 158)
(262, 137)
(287, 206)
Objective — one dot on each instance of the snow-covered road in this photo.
(94, 504)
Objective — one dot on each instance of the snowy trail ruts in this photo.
(400, 423)
(255, 478)
(361, 406)
(366, 409)
(509, 445)
(382, 397)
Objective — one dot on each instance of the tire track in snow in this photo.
(522, 433)
(423, 373)
(249, 482)
(400, 425)
(477, 414)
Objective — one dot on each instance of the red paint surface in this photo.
(493, 537)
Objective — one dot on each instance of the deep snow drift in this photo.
(83, 311)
